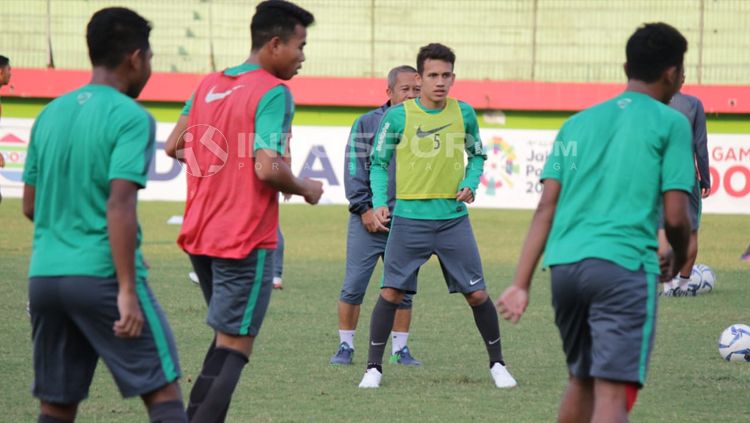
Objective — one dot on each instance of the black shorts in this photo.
(606, 315)
(237, 291)
(72, 319)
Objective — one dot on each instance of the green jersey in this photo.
(390, 136)
(613, 162)
(79, 143)
(273, 116)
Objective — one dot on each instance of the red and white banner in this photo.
(511, 178)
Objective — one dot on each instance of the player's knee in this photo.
(63, 412)
(168, 392)
(476, 298)
(392, 295)
(242, 344)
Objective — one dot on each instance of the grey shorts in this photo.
(362, 252)
(695, 208)
(413, 241)
(606, 315)
(71, 321)
(237, 291)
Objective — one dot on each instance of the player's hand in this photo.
(2, 160)
(512, 303)
(286, 196)
(131, 318)
(667, 266)
(372, 223)
(384, 216)
(313, 191)
(465, 195)
(705, 192)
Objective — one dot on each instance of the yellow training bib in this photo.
(430, 157)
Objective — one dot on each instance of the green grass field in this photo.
(289, 378)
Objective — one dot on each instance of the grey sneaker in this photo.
(403, 357)
(344, 355)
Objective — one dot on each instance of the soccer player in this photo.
(692, 108)
(430, 217)
(237, 129)
(367, 235)
(4, 80)
(604, 181)
(89, 155)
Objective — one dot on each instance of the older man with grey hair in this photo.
(367, 235)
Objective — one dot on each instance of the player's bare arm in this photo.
(514, 300)
(29, 195)
(274, 170)
(677, 228)
(122, 225)
(175, 142)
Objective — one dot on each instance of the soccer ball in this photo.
(702, 279)
(734, 344)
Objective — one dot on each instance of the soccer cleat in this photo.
(677, 292)
(371, 379)
(502, 377)
(745, 257)
(194, 277)
(277, 283)
(344, 355)
(403, 357)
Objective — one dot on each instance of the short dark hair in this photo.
(114, 32)
(434, 51)
(4, 61)
(395, 72)
(277, 18)
(653, 48)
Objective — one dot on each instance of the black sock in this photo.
(485, 317)
(43, 418)
(167, 412)
(381, 324)
(375, 366)
(212, 392)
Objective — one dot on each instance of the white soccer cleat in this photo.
(502, 377)
(193, 277)
(371, 379)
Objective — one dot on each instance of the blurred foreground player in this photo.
(596, 226)
(89, 155)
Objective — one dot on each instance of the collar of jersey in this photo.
(240, 69)
(430, 111)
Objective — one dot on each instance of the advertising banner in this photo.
(515, 158)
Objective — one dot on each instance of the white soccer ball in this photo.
(734, 344)
(704, 277)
